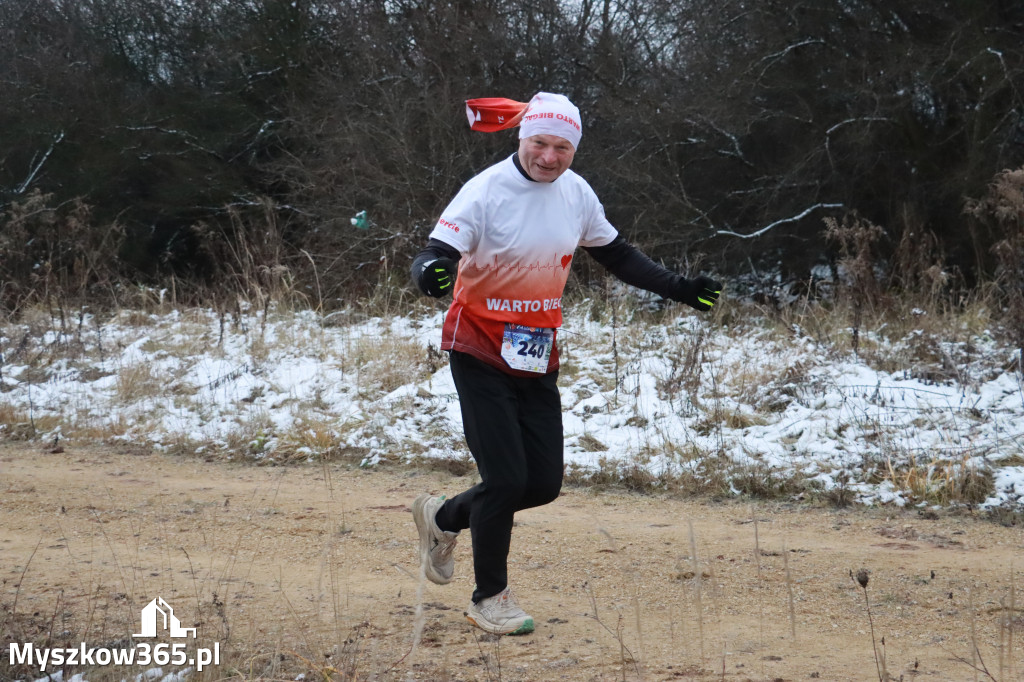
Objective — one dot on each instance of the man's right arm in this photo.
(632, 266)
(434, 268)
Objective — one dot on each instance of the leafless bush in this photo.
(860, 287)
(1003, 209)
(53, 254)
(233, 141)
(919, 267)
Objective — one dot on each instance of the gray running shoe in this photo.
(436, 545)
(500, 615)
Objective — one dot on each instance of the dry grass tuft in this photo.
(943, 482)
(385, 363)
(137, 382)
(454, 465)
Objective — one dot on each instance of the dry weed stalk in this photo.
(624, 651)
(760, 597)
(697, 589)
(974, 631)
(1004, 625)
(628, 570)
(757, 545)
(1011, 618)
(789, 592)
(977, 661)
(859, 287)
(862, 578)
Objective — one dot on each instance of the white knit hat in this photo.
(550, 114)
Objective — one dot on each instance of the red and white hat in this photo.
(550, 114)
(545, 114)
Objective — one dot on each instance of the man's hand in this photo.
(438, 277)
(700, 292)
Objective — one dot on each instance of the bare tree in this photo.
(725, 130)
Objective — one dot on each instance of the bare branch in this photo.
(793, 219)
(736, 151)
(774, 57)
(828, 133)
(35, 171)
(185, 136)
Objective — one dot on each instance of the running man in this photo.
(503, 247)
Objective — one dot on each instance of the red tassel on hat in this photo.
(490, 114)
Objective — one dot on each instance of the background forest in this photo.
(208, 210)
(228, 145)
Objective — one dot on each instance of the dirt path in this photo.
(310, 568)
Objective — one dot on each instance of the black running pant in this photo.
(513, 427)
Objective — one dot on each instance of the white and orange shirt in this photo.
(517, 238)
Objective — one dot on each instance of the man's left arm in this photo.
(633, 267)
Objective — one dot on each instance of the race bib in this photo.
(527, 348)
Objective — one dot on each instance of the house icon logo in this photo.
(158, 611)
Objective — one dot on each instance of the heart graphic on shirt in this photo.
(565, 261)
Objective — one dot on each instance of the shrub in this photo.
(1002, 209)
(53, 254)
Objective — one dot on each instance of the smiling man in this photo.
(503, 248)
(545, 157)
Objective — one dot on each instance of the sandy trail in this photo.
(299, 569)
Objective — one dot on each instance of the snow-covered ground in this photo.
(677, 397)
(150, 675)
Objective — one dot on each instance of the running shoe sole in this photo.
(524, 629)
(426, 540)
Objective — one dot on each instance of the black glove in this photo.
(700, 292)
(437, 277)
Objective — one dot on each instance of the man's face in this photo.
(545, 157)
